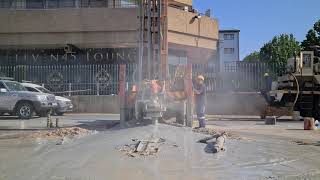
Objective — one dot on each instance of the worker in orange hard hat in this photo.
(200, 100)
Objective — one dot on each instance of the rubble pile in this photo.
(212, 132)
(62, 132)
(277, 111)
(142, 147)
(205, 131)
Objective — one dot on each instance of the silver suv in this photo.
(16, 99)
(64, 104)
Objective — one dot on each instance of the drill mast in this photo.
(153, 43)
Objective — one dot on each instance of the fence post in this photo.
(122, 93)
(189, 110)
(98, 89)
(69, 89)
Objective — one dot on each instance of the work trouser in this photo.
(200, 110)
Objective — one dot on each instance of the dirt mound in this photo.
(213, 132)
(277, 111)
(62, 132)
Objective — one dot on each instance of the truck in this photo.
(298, 90)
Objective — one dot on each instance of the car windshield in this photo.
(15, 86)
(44, 90)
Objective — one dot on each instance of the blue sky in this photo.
(260, 20)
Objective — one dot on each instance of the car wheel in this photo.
(25, 110)
(60, 113)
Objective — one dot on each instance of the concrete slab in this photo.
(264, 156)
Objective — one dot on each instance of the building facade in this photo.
(96, 32)
(228, 47)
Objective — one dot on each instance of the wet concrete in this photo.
(181, 157)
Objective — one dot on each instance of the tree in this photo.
(280, 49)
(312, 38)
(252, 57)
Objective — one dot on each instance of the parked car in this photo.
(16, 99)
(64, 104)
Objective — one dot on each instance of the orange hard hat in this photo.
(200, 77)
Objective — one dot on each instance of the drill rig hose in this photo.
(298, 91)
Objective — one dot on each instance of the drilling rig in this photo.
(152, 63)
(153, 92)
(299, 89)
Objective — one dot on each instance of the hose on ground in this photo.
(298, 91)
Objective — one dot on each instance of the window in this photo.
(35, 4)
(228, 50)
(5, 4)
(128, 3)
(60, 3)
(14, 86)
(228, 36)
(20, 4)
(98, 3)
(94, 3)
(2, 86)
(52, 3)
(67, 3)
(31, 89)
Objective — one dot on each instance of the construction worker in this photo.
(200, 100)
(268, 81)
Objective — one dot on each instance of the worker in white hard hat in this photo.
(200, 100)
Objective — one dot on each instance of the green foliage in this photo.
(312, 38)
(280, 49)
(253, 57)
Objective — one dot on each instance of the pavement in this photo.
(254, 151)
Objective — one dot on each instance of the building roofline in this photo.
(229, 30)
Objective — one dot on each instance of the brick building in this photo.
(97, 31)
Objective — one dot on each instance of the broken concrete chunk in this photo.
(142, 147)
(215, 143)
(219, 144)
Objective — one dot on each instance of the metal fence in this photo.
(238, 76)
(53, 4)
(104, 79)
(71, 79)
(247, 76)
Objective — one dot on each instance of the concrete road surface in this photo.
(254, 151)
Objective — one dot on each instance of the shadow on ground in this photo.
(305, 143)
(97, 125)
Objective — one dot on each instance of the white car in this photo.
(17, 100)
(64, 104)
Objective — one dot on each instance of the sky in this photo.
(260, 20)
